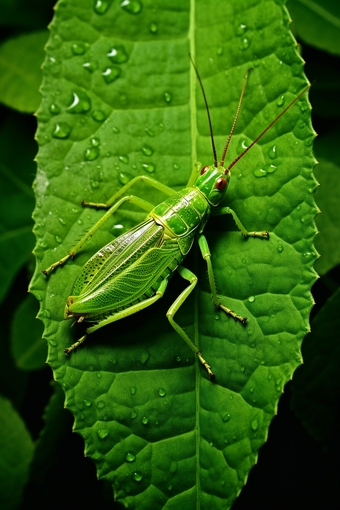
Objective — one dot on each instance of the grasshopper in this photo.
(132, 272)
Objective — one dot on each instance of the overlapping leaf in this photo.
(120, 99)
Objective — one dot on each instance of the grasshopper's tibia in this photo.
(75, 345)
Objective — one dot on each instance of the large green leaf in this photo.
(157, 428)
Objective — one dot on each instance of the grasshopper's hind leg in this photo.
(187, 275)
(121, 315)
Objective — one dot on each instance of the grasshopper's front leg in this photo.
(226, 210)
(203, 244)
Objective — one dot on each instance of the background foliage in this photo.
(293, 457)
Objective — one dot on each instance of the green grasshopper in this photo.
(132, 272)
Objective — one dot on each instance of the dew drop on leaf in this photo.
(137, 476)
(130, 457)
(254, 424)
(118, 54)
(240, 29)
(91, 154)
(280, 101)
(259, 172)
(124, 159)
(62, 221)
(150, 168)
(280, 248)
(272, 153)
(81, 103)
(100, 404)
(111, 74)
(101, 6)
(78, 49)
(58, 239)
(219, 50)
(145, 420)
(124, 178)
(147, 151)
(226, 417)
(132, 6)
(167, 97)
(161, 393)
(95, 142)
(90, 66)
(87, 403)
(62, 130)
(133, 390)
(54, 109)
(149, 132)
(98, 115)
(244, 44)
(153, 28)
(117, 230)
(251, 299)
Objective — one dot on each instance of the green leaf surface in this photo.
(316, 384)
(20, 69)
(157, 428)
(16, 450)
(16, 200)
(317, 22)
(28, 346)
(328, 223)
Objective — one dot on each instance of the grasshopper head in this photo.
(213, 183)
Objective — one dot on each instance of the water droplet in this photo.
(54, 109)
(150, 168)
(254, 424)
(280, 100)
(173, 466)
(149, 132)
(54, 344)
(309, 142)
(259, 172)
(111, 74)
(124, 159)
(178, 359)
(98, 115)
(133, 391)
(242, 146)
(251, 390)
(115, 130)
(167, 97)
(217, 317)
(219, 50)
(133, 415)
(87, 403)
(145, 420)
(251, 299)
(63, 222)
(118, 54)
(91, 154)
(62, 130)
(244, 44)
(280, 248)
(95, 142)
(117, 230)
(80, 222)
(90, 66)
(226, 417)
(147, 151)
(240, 29)
(100, 404)
(256, 62)
(101, 6)
(137, 476)
(81, 103)
(243, 369)
(124, 178)
(153, 28)
(132, 6)
(78, 49)
(95, 185)
(58, 239)
(176, 166)
(130, 457)
(161, 393)
(102, 433)
(169, 487)
(272, 153)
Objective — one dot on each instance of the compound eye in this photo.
(204, 170)
(221, 183)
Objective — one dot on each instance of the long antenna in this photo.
(270, 125)
(207, 108)
(238, 109)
